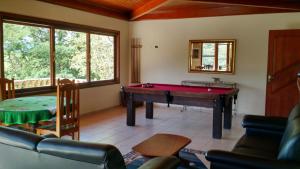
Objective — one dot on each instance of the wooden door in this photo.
(283, 66)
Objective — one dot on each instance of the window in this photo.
(26, 55)
(36, 52)
(70, 55)
(212, 56)
(102, 55)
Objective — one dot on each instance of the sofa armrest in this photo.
(233, 160)
(49, 136)
(267, 124)
(94, 153)
(170, 162)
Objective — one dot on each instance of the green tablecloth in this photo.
(27, 109)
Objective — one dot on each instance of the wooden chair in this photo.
(67, 111)
(7, 88)
(64, 82)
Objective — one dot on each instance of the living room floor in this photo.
(109, 126)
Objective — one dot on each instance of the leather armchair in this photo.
(20, 149)
(268, 143)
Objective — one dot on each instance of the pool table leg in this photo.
(149, 110)
(228, 113)
(217, 119)
(130, 110)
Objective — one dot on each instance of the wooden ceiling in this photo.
(171, 9)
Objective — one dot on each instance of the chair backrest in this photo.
(61, 82)
(7, 88)
(289, 148)
(67, 107)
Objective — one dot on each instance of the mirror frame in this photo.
(190, 56)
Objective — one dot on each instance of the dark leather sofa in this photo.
(24, 150)
(269, 143)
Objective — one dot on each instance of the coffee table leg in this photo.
(228, 113)
(149, 110)
(217, 119)
(130, 110)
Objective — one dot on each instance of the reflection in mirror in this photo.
(212, 56)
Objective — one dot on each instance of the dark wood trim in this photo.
(52, 89)
(1, 49)
(88, 56)
(52, 56)
(216, 56)
(117, 56)
(26, 23)
(146, 8)
(90, 8)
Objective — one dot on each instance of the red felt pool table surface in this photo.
(178, 88)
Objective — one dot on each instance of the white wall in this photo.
(92, 99)
(169, 62)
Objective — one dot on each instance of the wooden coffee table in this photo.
(162, 144)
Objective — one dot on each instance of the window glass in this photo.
(70, 55)
(102, 57)
(26, 55)
(208, 56)
(222, 56)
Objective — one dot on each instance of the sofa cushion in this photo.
(255, 153)
(94, 153)
(260, 146)
(19, 138)
(295, 113)
(290, 144)
(269, 144)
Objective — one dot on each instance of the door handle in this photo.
(270, 78)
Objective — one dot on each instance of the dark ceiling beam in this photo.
(89, 8)
(194, 12)
(274, 4)
(147, 7)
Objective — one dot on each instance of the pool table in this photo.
(220, 99)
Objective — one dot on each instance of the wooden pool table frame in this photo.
(221, 103)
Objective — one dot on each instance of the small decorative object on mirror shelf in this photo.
(216, 80)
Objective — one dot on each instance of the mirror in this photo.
(214, 56)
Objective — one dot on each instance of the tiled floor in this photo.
(109, 126)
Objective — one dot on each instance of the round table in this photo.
(27, 109)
